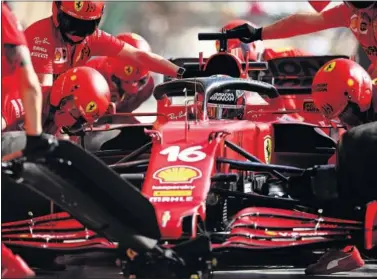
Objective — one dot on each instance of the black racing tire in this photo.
(356, 169)
(17, 200)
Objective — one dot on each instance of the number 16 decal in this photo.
(190, 154)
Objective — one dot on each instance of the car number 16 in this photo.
(190, 154)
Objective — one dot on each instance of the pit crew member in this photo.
(71, 36)
(342, 89)
(256, 49)
(130, 85)
(19, 83)
(78, 98)
(358, 16)
(352, 97)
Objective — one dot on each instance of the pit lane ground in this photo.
(268, 272)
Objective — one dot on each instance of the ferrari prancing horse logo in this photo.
(90, 107)
(79, 5)
(267, 148)
(330, 67)
(128, 70)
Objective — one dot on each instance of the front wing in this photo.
(252, 228)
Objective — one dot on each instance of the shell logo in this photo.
(177, 174)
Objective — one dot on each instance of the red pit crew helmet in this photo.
(77, 19)
(342, 88)
(131, 78)
(80, 95)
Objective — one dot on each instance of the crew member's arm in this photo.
(31, 95)
(306, 23)
(154, 62)
(107, 45)
(295, 25)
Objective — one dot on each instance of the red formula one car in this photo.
(207, 168)
(202, 175)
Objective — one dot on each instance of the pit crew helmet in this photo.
(252, 48)
(343, 89)
(77, 19)
(80, 95)
(361, 4)
(130, 78)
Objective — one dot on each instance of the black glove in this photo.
(247, 33)
(39, 145)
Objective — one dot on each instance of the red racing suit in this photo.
(131, 101)
(52, 55)
(363, 25)
(12, 34)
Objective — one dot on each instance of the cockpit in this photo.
(226, 104)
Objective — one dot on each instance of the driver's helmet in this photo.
(237, 45)
(228, 104)
(77, 19)
(80, 95)
(361, 4)
(343, 89)
(129, 78)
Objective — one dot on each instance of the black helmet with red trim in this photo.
(228, 104)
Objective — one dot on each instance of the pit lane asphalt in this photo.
(269, 272)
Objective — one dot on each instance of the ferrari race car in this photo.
(210, 167)
(202, 175)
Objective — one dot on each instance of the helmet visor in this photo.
(77, 27)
